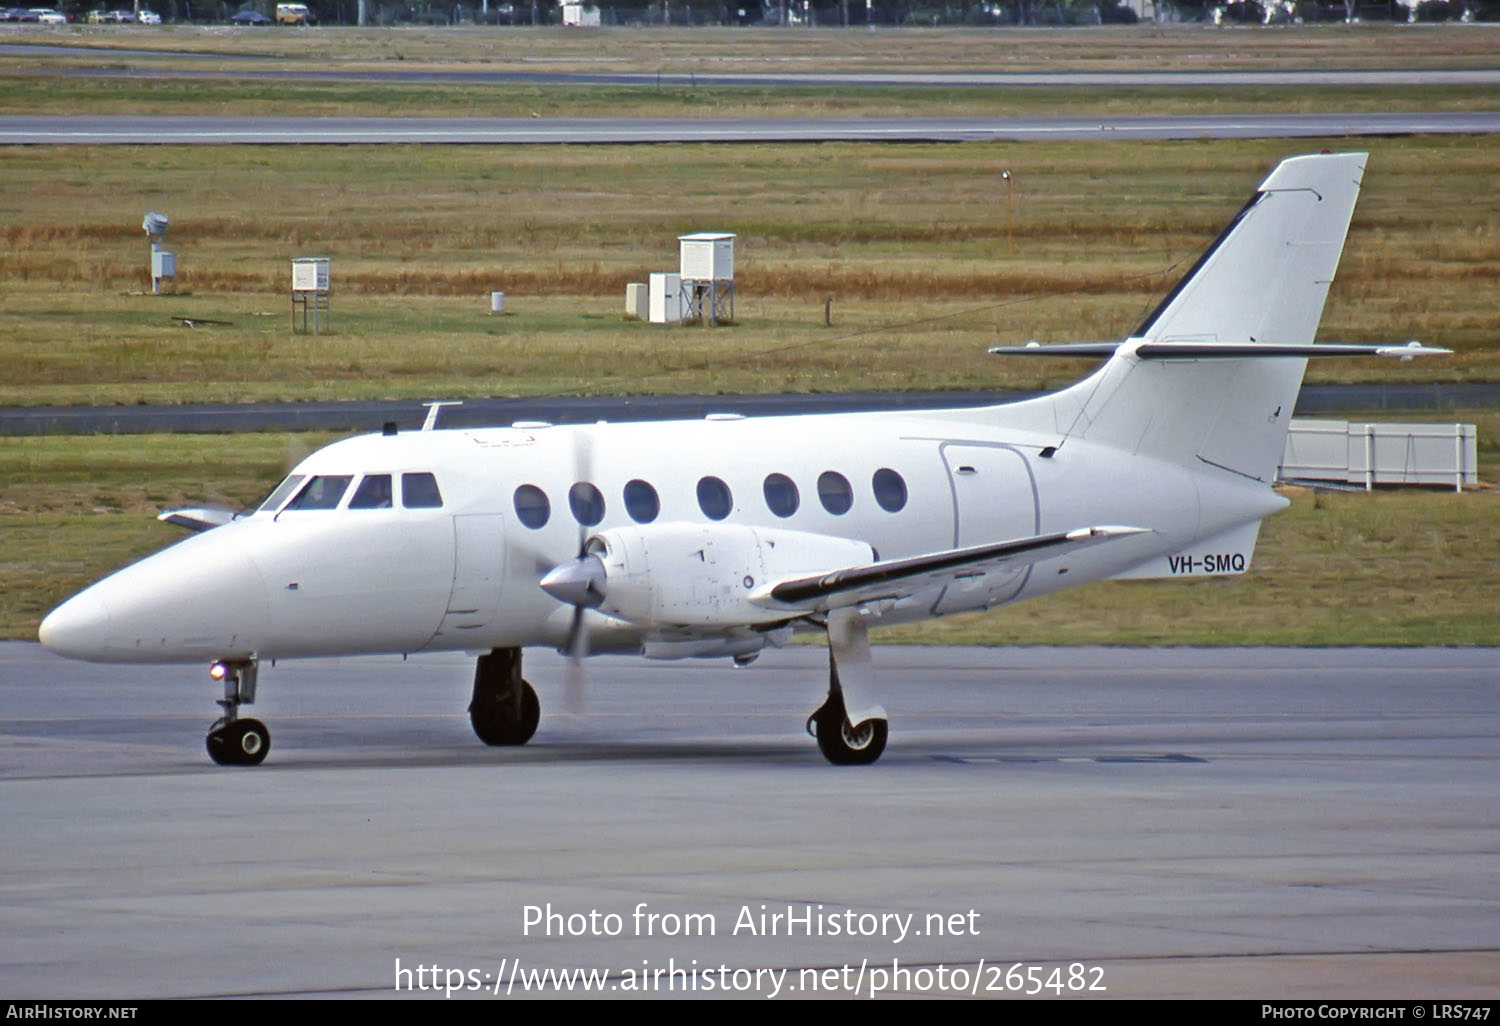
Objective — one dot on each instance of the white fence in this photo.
(1361, 453)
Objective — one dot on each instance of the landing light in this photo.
(218, 671)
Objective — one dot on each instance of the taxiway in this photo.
(1205, 823)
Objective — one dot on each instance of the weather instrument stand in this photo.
(310, 294)
(708, 302)
(707, 272)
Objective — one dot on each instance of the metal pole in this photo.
(1009, 208)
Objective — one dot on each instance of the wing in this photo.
(197, 519)
(897, 578)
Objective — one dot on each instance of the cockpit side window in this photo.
(374, 492)
(322, 492)
(420, 491)
(278, 496)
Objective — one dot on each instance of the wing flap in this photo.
(897, 578)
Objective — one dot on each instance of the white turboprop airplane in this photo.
(716, 538)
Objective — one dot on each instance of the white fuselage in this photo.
(464, 575)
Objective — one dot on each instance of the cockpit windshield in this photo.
(418, 490)
(322, 492)
(279, 494)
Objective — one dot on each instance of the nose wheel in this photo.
(233, 741)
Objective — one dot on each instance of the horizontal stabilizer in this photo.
(898, 578)
(1220, 350)
(1095, 350)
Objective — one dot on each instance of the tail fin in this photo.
(1263, 282)
(1267, 275)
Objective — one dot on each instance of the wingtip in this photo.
(1105, 532)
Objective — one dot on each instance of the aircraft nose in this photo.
(203, 598)
(77, 629)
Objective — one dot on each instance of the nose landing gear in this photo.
(233, 741)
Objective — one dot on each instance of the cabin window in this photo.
(890, 490)
(374, 492)
(420, 491)
(587, 504)
(714, 498)
(322, 492)
(279, 495)
(532, 507)
(781, 495)
(641, 502)
(834, 492)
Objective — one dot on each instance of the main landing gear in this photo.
(504, 709)
(233, 741)
(850, 729)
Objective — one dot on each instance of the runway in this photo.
(1205, 823)
(370, 415)
(98, 130)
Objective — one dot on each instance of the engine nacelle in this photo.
(702, 575)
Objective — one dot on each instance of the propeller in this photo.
(296, 452)
(580, 583)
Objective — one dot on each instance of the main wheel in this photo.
(846, 745)
(239, 743)
(497, 721)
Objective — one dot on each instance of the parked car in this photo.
(250, 18)
(47, 16)
(149, 18)
(20, 14)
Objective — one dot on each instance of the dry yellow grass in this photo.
(927, 263)
(742, 50)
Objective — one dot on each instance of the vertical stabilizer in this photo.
(1266, 277)
(1263, 282)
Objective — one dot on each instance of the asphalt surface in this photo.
(1284, 824)
(409, 413)
(98, 130)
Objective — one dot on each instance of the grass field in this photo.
(239, 97)
(740, 50)
(927, 260)
(112, 69)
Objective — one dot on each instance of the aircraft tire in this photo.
(495, 720)
(239, 743)
(844, 745)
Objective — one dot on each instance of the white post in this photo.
(1369, 457)
(1458, 457)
